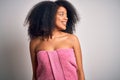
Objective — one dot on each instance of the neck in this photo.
(56, 33)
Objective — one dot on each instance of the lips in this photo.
(64, 23)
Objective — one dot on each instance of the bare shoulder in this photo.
(33, 44)
(73, 37)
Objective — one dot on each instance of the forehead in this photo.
(62, 9)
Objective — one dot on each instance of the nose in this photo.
(66, 18)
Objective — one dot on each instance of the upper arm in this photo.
(78, 52)
(78, 56)
(32, 48)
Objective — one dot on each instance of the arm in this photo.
(33, 58)
(78, 55)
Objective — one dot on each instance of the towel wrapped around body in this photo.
(59, 64)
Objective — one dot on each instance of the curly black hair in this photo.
(41, 18)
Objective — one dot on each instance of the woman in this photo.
(55, 51)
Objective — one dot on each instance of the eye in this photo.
(61, 14)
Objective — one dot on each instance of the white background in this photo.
(98, 32)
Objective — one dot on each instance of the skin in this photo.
(59, 40)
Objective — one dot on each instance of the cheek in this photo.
(58, 22)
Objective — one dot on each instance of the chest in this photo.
(55, 44)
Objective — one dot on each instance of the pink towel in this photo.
(59, 64)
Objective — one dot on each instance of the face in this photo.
(61, 18)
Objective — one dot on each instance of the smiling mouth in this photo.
(64, 23)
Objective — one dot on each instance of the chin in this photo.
(63, 28)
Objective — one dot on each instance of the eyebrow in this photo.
(61, 12)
